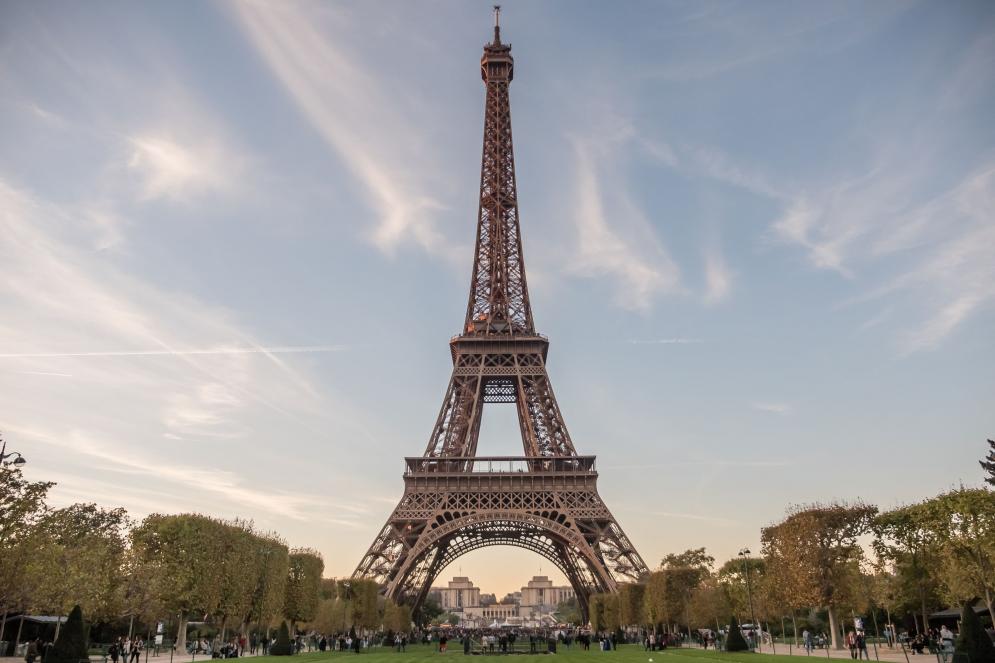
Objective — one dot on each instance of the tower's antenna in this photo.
(497, 24)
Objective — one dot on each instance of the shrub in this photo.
(736, 641)
(71, 646)
(282, 646)
(973, 639)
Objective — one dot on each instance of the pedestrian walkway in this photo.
(163, 657)
(881, 654)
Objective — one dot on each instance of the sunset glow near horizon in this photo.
(237, 238)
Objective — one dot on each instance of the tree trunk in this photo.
(131, 625)
(794, 625)
(17, 640)
(925, 615)
(181, 635)
(834, 628)
(224, 628)
(3, 627)
(58, 624)
(988, 600)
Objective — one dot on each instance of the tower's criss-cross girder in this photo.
(455, 501)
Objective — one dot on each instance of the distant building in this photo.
(542, 597)
(459, 595)
(512, 597)
(534, 605)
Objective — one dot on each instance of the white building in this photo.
(459, 595)
(541, 597)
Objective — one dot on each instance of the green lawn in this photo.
(625, 654)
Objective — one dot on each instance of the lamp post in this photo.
(744, 553)
(20, 460)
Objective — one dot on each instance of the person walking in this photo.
(862, 646)
(33, 651)
(136, 651)
(851, 642)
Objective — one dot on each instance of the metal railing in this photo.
(500, 465)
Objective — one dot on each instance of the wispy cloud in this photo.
(201, 378)
(641, 271)
(280, 349)
(718, 277)
(774, 408)
(307, 50)
(171, 170)
(690, 516)
(711, 462)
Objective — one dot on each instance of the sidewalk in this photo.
(163, 657)
(882, 654)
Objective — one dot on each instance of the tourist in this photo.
(807, 640)
(136, 651)
(851, 643)
(946, 637)
(443, 640)
(862, 646)
(32, 652)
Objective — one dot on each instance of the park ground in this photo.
(624, 654)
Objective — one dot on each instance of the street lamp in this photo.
(744, 553)
(20, 460)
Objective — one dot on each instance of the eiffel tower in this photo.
(455, 501)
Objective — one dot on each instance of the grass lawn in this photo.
(624, 654)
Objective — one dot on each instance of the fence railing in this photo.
(500, 465)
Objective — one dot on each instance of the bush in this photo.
(282, 646)
(736, 641)
(71, 646)
(973, 639)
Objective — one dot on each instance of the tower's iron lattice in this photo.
(455, 501)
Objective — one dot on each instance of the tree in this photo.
(239, 572)
(182, 557)
(71, 645)
(365, 604)
(656, 607)
(22, 505)
(604, 612)
(735, 640)
(303, 582)
(282, 646)
(430, 609)
(78, 559)
(743, 577)
(989, 463)
(685, 572)
(692, 558)
(905, 538)
(397, 617)
(271, 566)
(710, 604)
(815, 553)
(973, 640)
(964, 523)
(631, 601)
(568, 612)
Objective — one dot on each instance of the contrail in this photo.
(282, 349)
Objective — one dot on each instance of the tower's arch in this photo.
(550, 534)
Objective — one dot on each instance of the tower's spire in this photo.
(499, 297)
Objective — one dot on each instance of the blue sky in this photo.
(236, 240)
